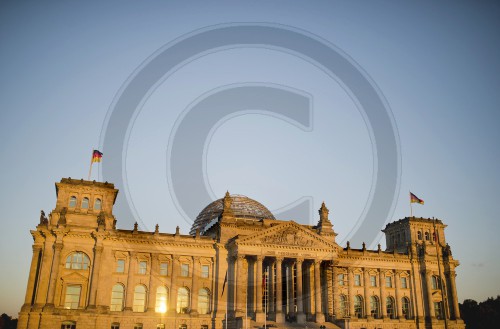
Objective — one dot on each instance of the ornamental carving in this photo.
(289, 237)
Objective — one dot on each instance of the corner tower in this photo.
(82, 204)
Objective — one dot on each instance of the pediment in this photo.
(74, 277)
(288, 234)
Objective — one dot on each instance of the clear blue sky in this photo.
(62, 64)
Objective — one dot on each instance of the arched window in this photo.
(161, 299)
(117, 295)
(343, 306)
(97, 204)
(72, 201)
(389, 303)
(203, 301)
(419, 235)
(85, 203)
(139, 299)
(374, 307)
(68, 325)
(427, 236)
(182, 300)
(405, 305)
(77, 261)
(358, 306)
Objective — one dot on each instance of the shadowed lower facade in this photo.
(239, 267)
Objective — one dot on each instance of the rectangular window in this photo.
(184, 269)
(143, 265)
(68, 325)
(120, 266)
(138, 326)
(204, 326)
(160, 326)
(373, 280)
(404, 283)
(115, 325)
(205, 270)
(164, 268)
(357, 279)
(72, 299)
(341, 279)
(388, 282)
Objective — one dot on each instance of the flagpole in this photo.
(411, 208)
(91, 162)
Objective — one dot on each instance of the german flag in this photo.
(415, 199)
(96, 156)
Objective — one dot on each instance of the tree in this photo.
(6, 322)
(481, 315)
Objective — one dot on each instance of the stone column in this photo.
(95, 275)
(336, 294)
(241, 285)
(259, 313)
(366, 283)
(280, 318)
(320, 316)
(350, 282)
(291, 289)
(45, 268)
(430, 303)
(54, 273)
(30, 289)
(129, 300)
(398, 305)
(301, 317)
(195, 277)
(383, 308)
(454, 298)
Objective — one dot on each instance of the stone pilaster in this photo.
(195, 276)
(45, 269)
(398, 305)
(366, 283)
(95, 275)
(172, 298)
(241, 284)
(430, 303)
(129, 297)
(350, 282)
(383, 306)
(30, 289)
(54, 273)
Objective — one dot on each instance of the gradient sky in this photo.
(62, 64)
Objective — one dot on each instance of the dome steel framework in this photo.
(242, 207)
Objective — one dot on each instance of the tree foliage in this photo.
(6, 322)
(481, 315)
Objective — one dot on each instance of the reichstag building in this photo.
(238, 268)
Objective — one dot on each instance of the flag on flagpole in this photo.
(96, 156)
(415, 199)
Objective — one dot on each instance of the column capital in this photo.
(36, 248)
(299, 261)
(58, 246)
(279, 259)
(240, 257)
(317, 261)
(260, 258)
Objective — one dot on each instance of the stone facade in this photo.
(247, 269)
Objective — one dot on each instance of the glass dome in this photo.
(242, 207)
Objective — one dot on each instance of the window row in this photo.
(342, 280)
(162, 297)
(427, 235)
(85, 203)
(163, 270)
(375, 311)
(116, 325)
